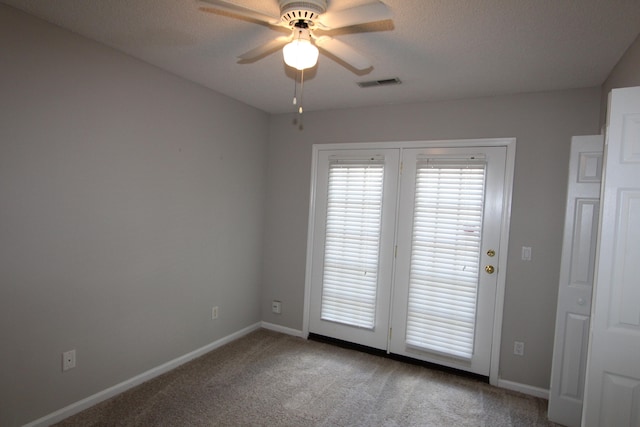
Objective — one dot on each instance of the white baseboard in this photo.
(94, 399)
(524, 388)
(283, 329)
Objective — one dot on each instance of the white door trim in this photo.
(509, 143)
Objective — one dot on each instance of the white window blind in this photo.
(445, 256)
(354, 212)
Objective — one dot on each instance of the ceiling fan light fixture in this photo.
(300, 53)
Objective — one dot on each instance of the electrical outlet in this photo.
(276, 307)
(68, 360)
(518, 348)
(214, 312)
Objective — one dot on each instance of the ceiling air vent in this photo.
(384, 82)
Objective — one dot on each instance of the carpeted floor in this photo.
(271, 379)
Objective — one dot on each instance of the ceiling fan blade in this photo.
(264, 50)
(343, 52)
(370, 12)
(235, 9)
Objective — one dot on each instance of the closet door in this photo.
(352, 254)
(576, 280)
(449, 222)
(612, 387)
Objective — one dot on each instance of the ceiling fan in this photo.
(303, 18)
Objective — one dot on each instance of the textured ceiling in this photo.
(439, 49)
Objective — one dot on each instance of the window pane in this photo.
(445, 257)
(354, 212)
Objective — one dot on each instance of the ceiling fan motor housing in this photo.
(293, 12)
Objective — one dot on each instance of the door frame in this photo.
(508, 143)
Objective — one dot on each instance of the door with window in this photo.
(405, 250)
(449, 222)
(352, 255)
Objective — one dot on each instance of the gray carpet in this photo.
(271, 379)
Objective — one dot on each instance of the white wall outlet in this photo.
(526, 253)
(518, 348)
(214, 312)
(276, 307)
(68, 360)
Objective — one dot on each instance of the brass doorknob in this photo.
(489, 269)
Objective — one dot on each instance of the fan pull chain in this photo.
(301, 91)
(295, 83)
(300, 117)
(297, 102)
(295, 89)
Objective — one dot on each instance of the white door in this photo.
(576, 280)
(448, 246)
(352, 252)
(612, 389)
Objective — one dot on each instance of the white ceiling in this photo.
(439, 49)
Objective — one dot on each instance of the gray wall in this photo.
(543, 124)
(131, 203)
(626, 73)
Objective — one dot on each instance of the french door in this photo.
(352, 256)
(449, 223)
(405, 248)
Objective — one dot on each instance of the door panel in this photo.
(576, 280)
(352, 253)
(612, 390)
(449, 225)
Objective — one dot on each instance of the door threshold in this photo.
(398, 357)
